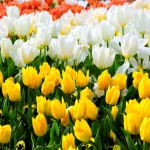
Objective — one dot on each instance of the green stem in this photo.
(8, 70)
(42, 142)
(122, 30)
(40, 57)
(45, 50)
(93, 144)
(16, 110)
(3, 147)
(107, 44)
(146, 146)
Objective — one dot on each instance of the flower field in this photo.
(75, 76)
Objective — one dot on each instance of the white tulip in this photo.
(13, 12)
(6, 47)
(3, 31)
(102, 57)
(22, 26)
(56, 28)
(43, 36)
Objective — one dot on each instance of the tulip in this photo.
(6, 47)
(5, 86)
(144, 107)
(104, 80)
(43, 36)
(144, 88)
(113, 136)
(22, 26)
(20, 145)
(79, 109)
(47, 87)
(137, 77)
(132, 123)
(44, 70)
(145, 130)
(82, 131)
(14, 91)
(86, 93)
(68, 141)
(5, 134)
(103, 54)
(1, 79)
(116, 147)
(58, 109)
(120, 80)
(67, 84)
(81, 79)
(28, 75)
(13, 12)
(114, 112)
(70, 71)
(91, 111)
(132, 106)
(39, 125)
(65, 119)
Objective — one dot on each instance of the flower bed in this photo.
(77, 81)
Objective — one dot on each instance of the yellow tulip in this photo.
(82, 131)
(1, 113)
(113, 136)
(5, 86)
(104, 80)
(45, 70)
(20, 145)
(114, 112)
(112, 95)
(145, 107)
(65, 119)
(14, 91)
(144, 88)
(145, 130)
(132, 123)
(87, 93)
(5, 134)
(54, 76)
(132, 107)
(39, 125)
(70, 71)
(120, 80)
(79, 109)
(68, 141)
(137, 77)
(47, 87)
(31, 78)
(1, 79)
(67, 84)
(58, 109)
(81, 79)
(91, 111)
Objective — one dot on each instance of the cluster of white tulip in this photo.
(98, 33)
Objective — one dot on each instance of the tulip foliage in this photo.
(75, 80)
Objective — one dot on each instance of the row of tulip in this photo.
(77, 82)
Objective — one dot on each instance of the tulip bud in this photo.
(112, 95)
(104, 80)
(120, 80)
(28, 75)
(145, 130)
(39, 125)
(114, 112)
(116, 147)
(44, 70)
(20, 145)
(137, 77)
(81, 79)
(86, 93)
(132, 123)
(82, 131)
(1, 79)
(144, 88)
(113, 136)
(58, 109)
(14, 91)
(132, 107)
(67, 84)
(68, 141)
(5, 134)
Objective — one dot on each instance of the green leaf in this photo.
(132, 92)
(129, 140)
(42, 148)
(121, 145)
(5, 106)
(98, 140)
(33, 141)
